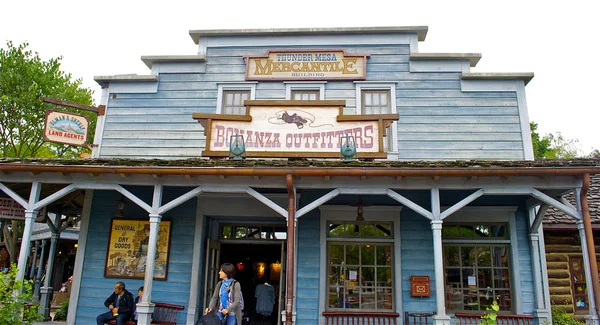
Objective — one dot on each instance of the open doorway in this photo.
(259, 272)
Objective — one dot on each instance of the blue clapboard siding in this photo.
(417, 259)
(437, 120)
(526, 292)
(308, 291)
(95, 288)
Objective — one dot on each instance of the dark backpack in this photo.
(210, 319)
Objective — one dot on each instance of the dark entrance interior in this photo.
(258, 267)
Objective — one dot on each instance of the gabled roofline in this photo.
(472, 57)
(150, 59)
(421, 31)
(525, 76)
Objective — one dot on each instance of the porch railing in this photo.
(360, 318)
(501, 319)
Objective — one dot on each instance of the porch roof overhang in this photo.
(303, 168)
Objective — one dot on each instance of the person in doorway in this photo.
(120, 305)
(226, 298)
(134, 315)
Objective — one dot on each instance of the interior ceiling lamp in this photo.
(348, 148)
(120, 207)
(237, 148)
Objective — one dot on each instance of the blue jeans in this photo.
(230, 320)
(108, 316)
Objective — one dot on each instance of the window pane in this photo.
(501, 280)
(384, 255)
(468, 255)
(384, 299)
(485, 278)
(253, 232)
(362, 230)
(368, 276)
(336, 254)
(226, 232)
(240, 232)
(384, 277)
(334, 275)
(498, 231)
(352, 255)
(482, 231)
(451, 257)
(367, 298)
(368, 255)
(500, 256)
(336, 297)
(484, 256)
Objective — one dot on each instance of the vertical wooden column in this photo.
(438, 256)
(146, 308)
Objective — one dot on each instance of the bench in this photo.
(164, 314)
(501, 319)
(360, 318)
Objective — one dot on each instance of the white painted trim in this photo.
(320, 86)
(317, 203)
(371, 214)
(54, 196)
(195, 299)
(100, 124)
(461, 204)
(535, 257)
(391, 86)
(515, 266)
(180, 200)
(524, 121)
(410, 204)
(13, 195)
(225, 86)
(535, 224)
(79, 257)
(265, 200)
(551, 201)
(544, 270)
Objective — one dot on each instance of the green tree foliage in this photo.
(553, 146)
(25, 79)
(15, 300)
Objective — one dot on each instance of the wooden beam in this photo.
(473, 178)
(327, 178)
(363, 178)
(399, 178)
(69, 104)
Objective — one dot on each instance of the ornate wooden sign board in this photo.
(306, 65)
(67, 128)
(10, 209)
(295, 129)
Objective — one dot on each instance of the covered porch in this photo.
(433, 193)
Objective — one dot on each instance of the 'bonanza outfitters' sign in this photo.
(295, 128)
(10, 209)
(66, 128)
(306, 65)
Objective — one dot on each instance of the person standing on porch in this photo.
(120, 305)
(226, 297)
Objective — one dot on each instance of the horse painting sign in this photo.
(294, 128)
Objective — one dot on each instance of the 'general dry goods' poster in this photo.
(128, 248)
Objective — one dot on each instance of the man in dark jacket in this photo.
(120, 305)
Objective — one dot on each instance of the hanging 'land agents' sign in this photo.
(67, 128)
(307, 65)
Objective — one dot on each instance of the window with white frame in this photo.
(360, 266)
(477, 266)
(231, 97)
(379, 98)
(305, 90)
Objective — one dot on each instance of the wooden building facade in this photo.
(437, 208)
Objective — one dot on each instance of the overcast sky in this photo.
(555, 40)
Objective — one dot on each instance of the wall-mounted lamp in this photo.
(348, 148)
(237, 148)
(120, 207)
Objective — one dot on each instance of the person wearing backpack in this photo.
(226, 299)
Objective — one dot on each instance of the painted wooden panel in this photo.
(417, 259)
(95, 288)
(431, 106)
(525, 269)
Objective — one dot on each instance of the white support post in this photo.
(438, 256)
(540, 312)
(146, 308)
(30, 215)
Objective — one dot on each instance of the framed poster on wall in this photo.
(128, 247)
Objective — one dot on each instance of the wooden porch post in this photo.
(146, 308)
(438, 256)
